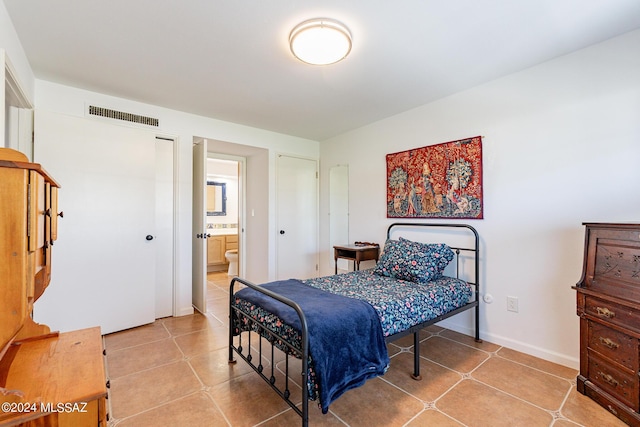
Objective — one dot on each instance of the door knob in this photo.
(149, 237)
(281, 231)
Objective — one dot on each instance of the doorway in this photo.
(219, 187)
(224, 213)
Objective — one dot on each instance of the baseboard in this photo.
(186, 311)
(542, 353)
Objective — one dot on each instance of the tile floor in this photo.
(174, 372)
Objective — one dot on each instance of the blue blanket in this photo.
(346, 342)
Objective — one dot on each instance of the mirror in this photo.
(216, 198)
(339, 209)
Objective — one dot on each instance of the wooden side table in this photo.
(355, 253)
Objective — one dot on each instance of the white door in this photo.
(199, 252)
(103, 268)
(297, 217)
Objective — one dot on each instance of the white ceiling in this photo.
(230, 59)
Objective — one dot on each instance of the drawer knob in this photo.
(605, 312)
(609, 343)
(609, 379)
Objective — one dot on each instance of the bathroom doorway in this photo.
(224, 206)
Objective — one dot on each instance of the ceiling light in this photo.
(320, 41)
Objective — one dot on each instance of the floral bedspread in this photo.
(400, 304)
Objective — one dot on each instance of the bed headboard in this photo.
(461, 238)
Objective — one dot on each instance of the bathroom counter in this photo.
(222, 231)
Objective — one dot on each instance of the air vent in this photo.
(121, 115)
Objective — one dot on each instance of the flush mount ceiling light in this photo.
(320, 41)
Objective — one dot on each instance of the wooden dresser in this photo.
(46, 378)
(608, 303)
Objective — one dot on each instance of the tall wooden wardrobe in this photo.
(46, 378)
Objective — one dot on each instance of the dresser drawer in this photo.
(614, 345)
(617, 314)
(617, 382)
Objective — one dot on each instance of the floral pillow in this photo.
(413, 261)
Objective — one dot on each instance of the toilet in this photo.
(232, 256)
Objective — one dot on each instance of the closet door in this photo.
(297, 218)
(104, 259)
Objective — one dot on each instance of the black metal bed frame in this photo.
(303, 353)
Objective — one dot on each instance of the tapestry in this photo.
(437, 181)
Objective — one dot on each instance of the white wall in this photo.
(183, 126)
(11, 51)
(13, 48)
(561, 146)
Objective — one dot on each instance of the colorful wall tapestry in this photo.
(438, 181)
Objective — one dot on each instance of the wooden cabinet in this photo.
(46, 379)
(60, 378)
(27, 200)
(215, 250)
(608, 303)
(217, 245)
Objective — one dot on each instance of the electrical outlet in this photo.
(512, 304)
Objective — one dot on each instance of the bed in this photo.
(338, 326)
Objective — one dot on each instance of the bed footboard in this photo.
(256, 361)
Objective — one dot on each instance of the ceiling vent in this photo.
(121, 115)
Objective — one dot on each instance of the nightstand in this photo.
(356, 253)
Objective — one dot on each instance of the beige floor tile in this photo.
(219, 307)
(407, 341)
(586, 412)
(453, 355)
(203, 341)
(433, 329)
(175, 372)
(187, 324)
(376, 403)
(213, 367)
(133, 359)
(247, 400)
(195, 410)
(136, 336)
(433, 418)
(436, 379)
(563, 423)
(219, 290)
(316, 419)
(141, 391)
(476, 404)
(470, 341)
(537, 387)
(393, 350)
(534, 362)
